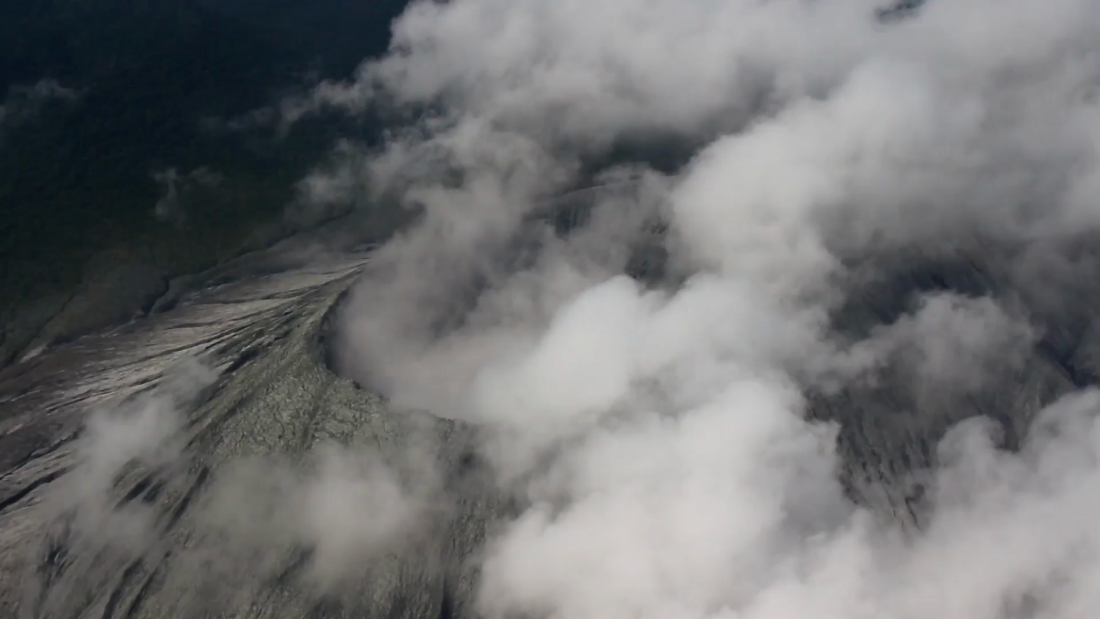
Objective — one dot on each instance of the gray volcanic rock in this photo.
(890, 430)
(208, 503)
(274, 398)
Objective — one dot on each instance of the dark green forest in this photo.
(153, 85)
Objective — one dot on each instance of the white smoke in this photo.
(141, 434)
(659, 431)
(345, 505)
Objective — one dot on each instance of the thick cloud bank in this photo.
(657, 426)
(645, 231)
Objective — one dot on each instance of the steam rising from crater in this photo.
(646, 376)
(659, 429)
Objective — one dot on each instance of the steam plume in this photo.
(658, 425)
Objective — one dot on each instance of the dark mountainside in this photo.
(148, 90)
(197, 520)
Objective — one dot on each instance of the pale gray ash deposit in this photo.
(703, 310)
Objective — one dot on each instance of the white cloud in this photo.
(345, 505)
(658, 431)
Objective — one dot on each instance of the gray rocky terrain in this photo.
(273, 396)
(238, 372)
